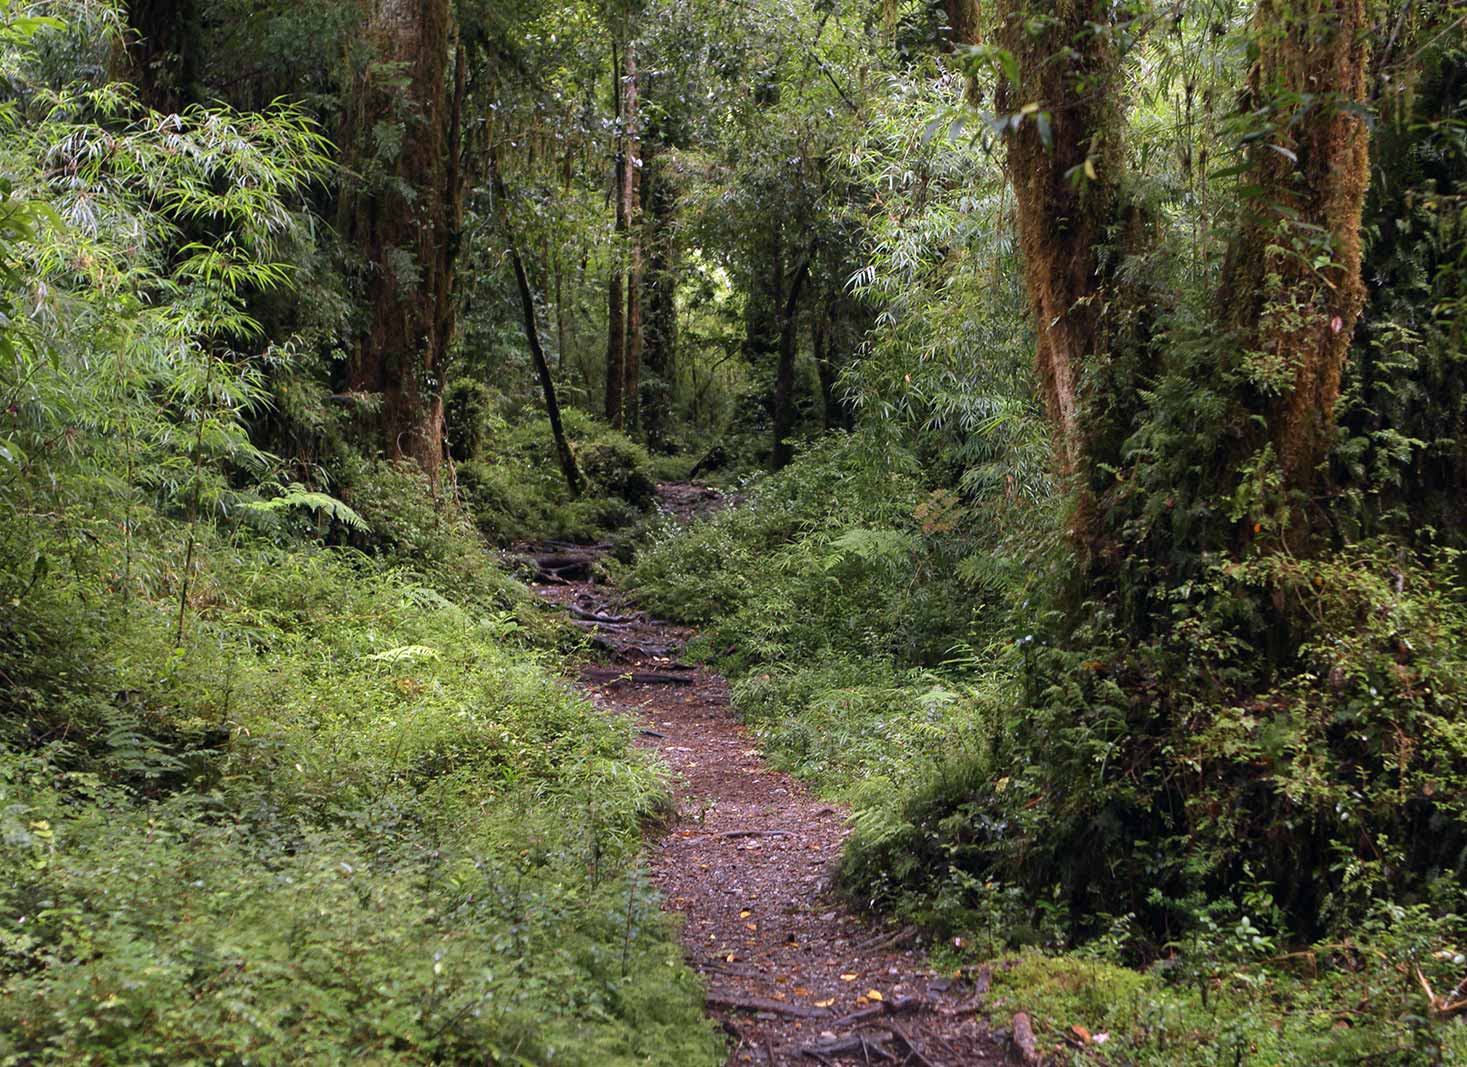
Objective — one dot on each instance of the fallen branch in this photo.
(894, 1006)
(757, 833)
(848, 1045)
(914, 1053)
(757, 1004)
(615, 677)
(896, 940)
(602, 620)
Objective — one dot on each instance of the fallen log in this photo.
(894, 1006)
(1025, 1044)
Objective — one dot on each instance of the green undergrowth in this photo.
(512, 486)
(349, 818)
(1323, 1006)
(897, 649)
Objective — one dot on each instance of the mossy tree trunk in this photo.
(1066, 161)
(406, 222)
(1292, 290)
(623, 297)
(631, 195)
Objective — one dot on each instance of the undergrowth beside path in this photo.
(352, 819)
(821, 599)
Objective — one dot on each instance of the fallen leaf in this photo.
(745, 914)
(849, 977)
(1080, 1032)
(873, 994)
(801, 991)
(825, 1003)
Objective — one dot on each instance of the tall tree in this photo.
(659, 286)
(1292, 288)
(631, 195)
(404, 220)
(616, 286)
(1065, 157)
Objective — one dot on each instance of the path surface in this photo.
(793, 976)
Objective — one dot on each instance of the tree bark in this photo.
(616, 324)
(632, 198)
(407, 227)
(784, 380)
(162, 52)
(563, 452)
(1292, 287)
(660, 288)
(1066, 184)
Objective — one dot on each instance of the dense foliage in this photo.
(1088, 379)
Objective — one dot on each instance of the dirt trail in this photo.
(793, 976)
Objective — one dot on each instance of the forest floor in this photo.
(793, 975)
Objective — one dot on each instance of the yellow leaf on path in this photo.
(825, 1003)
(801, 991)
(745, 914)
(873, 994)
(849, 977)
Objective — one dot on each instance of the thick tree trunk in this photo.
(162, 52)
(407, 229)
(962, 30)
(1066, 182)
(1292, 289)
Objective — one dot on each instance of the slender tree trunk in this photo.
(162, 53)
(660, 289)
(632, 198)
(407, 229)
(559, 317)
(762, 310)
(1292, 288)
(820, 330)
(784, 380)
(563, 451)
(616, 338)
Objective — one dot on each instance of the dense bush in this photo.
(514, 490)
(833, 555)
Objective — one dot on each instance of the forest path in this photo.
(793, 976)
